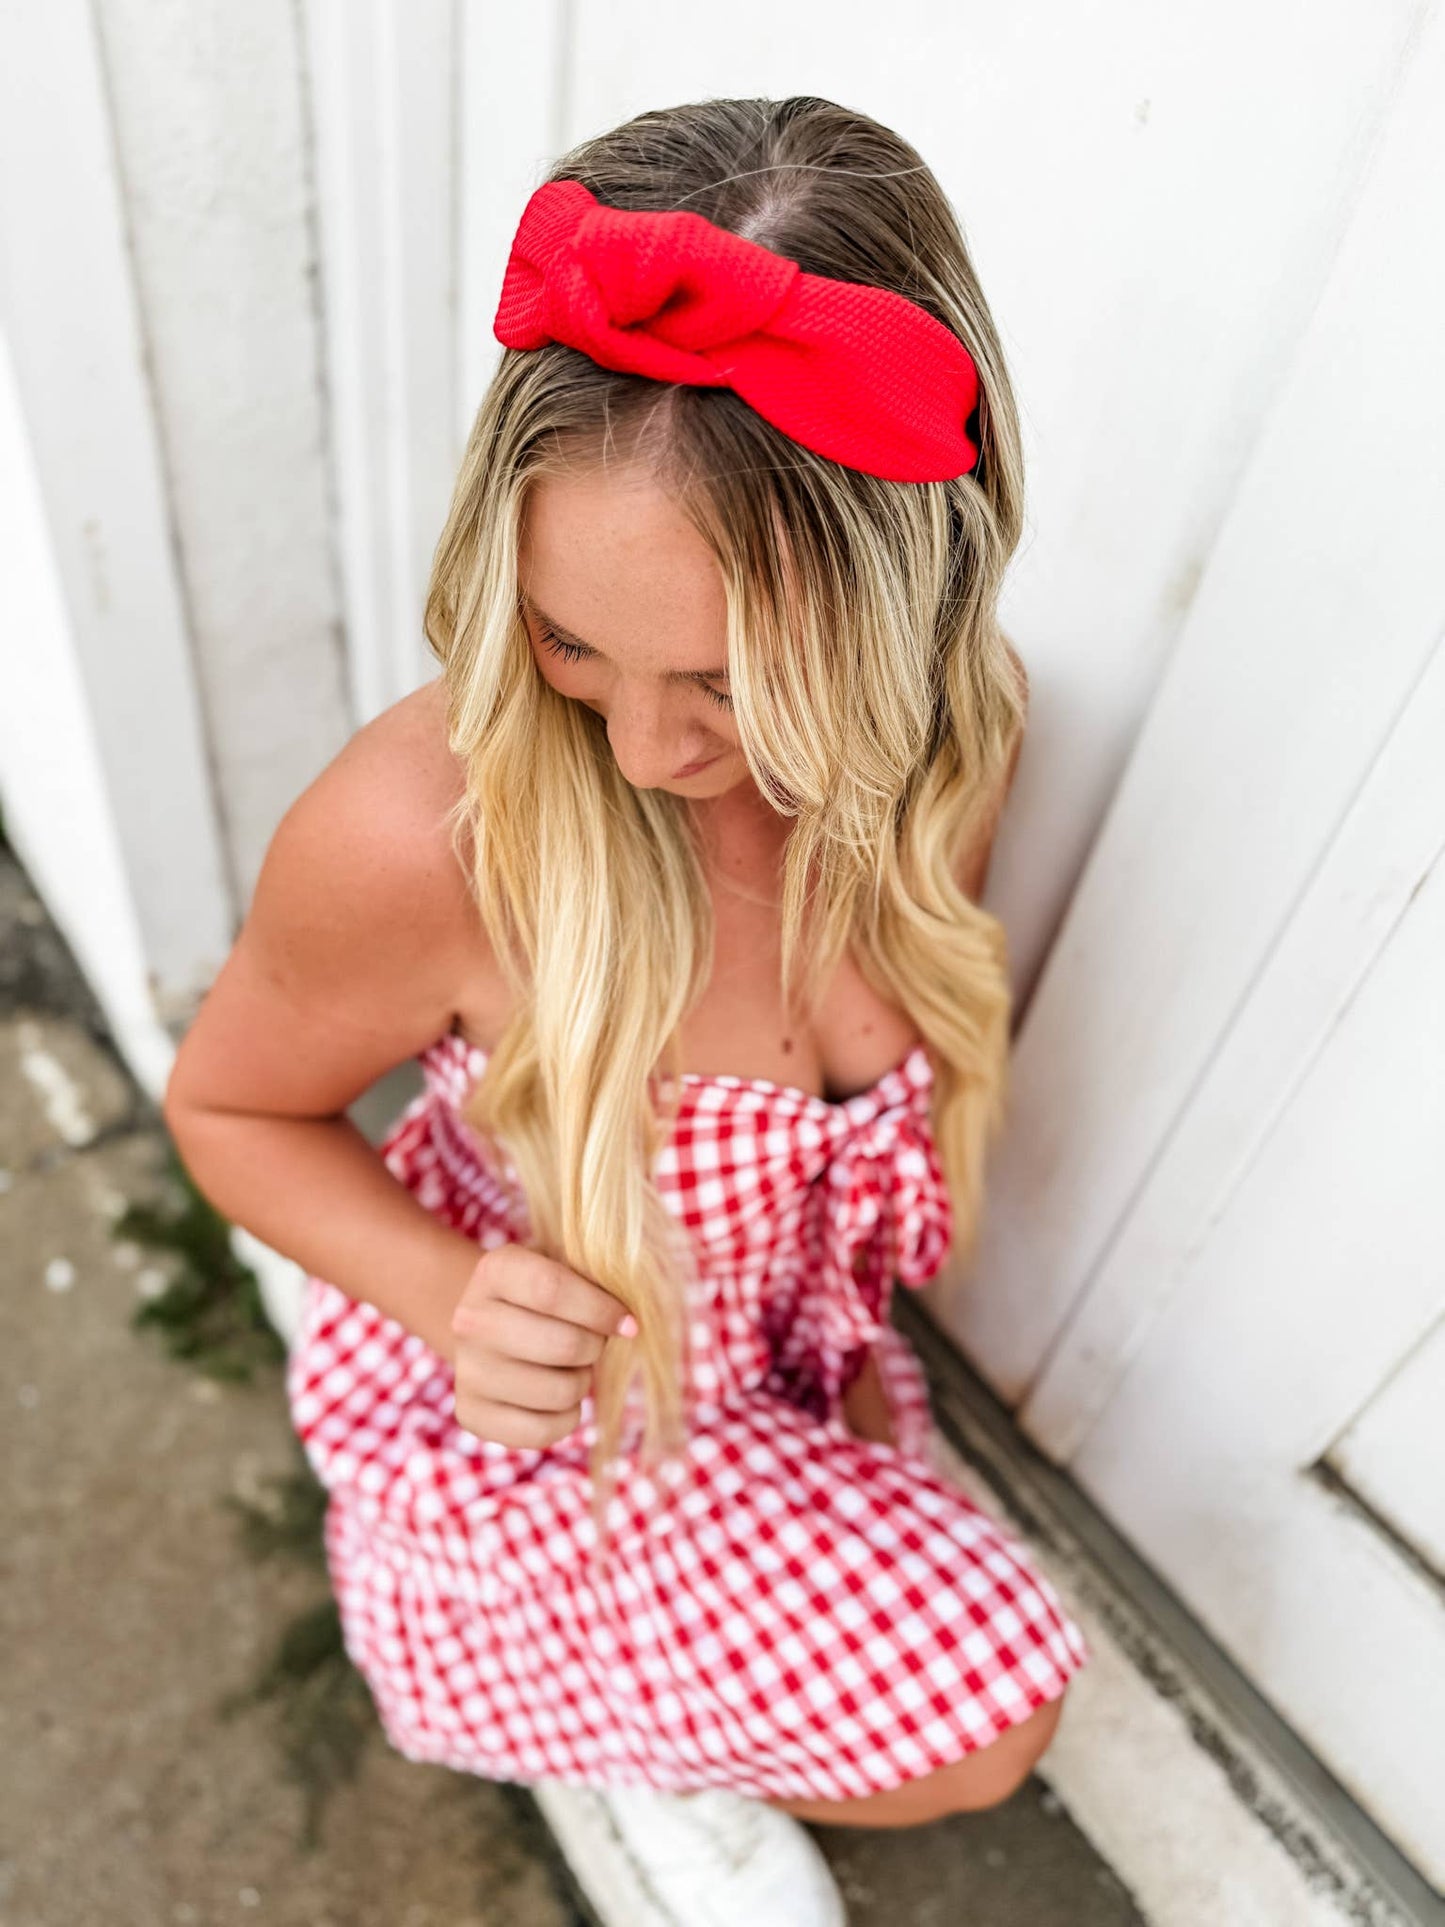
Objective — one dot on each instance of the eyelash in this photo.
(574, 654)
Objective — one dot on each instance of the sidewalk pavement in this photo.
(185, 1742)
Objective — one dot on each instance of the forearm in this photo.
(317, 1191)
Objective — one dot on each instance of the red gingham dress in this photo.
(795, 1613)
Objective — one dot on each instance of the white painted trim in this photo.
(383, 82)
(513, 123)
(280, 1280)
(74, 331)
(1378, 1454)
(58, 818)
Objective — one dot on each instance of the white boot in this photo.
(708, 1859)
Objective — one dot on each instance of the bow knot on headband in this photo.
(859, 374)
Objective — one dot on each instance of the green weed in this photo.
(211, 1313)
(325, 1713)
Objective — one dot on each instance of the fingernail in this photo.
(628, 1327)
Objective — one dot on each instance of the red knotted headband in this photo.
(859, 374)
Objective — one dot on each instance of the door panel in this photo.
(1216, 1224)
(1320, 607)
(1392, 1457)
(1324, 1271)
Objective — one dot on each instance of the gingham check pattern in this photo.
(788, 1610)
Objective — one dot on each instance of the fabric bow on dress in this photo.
(883, 1214)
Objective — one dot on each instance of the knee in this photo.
(984, 1778)
(995, 1773)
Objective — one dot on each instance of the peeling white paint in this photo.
(106, 1199)
(59, 1274)
(61, 1098)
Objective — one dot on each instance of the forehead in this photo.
(614, 559)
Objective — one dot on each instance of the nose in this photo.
(647, 746)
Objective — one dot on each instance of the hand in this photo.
(529, 1330)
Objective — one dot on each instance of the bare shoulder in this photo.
(379, 814)
(404, 750)
(355, 949)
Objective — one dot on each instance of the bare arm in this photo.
(345, 966)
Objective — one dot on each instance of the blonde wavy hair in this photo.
(876, 701)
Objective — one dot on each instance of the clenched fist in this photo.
(529, 1330)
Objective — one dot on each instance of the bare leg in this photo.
(984, 1778)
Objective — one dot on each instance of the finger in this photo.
(545, 1285)
(513, 1425)
(517, 1332)
(536, 1388)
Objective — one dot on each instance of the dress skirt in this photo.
(786, 1609)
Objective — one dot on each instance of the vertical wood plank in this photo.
(73, 327)
(383, 89)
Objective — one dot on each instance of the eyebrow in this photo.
(673, 675)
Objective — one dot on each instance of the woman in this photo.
(670, 881)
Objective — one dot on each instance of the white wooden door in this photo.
(1213, 1273)
(1298, 1333)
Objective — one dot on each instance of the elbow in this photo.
(174, 1109)
(174, 1117)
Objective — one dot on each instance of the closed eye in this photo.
(574, 652)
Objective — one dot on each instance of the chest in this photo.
(737, 1026)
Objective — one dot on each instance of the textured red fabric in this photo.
(790, 1611)
(858, 373)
